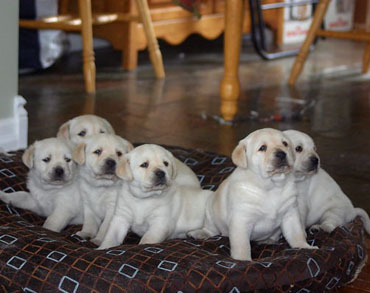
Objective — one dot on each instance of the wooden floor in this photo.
(331, 102)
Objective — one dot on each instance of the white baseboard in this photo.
(13, 130)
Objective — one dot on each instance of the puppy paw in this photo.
(269, 241)
(4, 197)
(314, 229)
(96, 241)
(241, 256)
(199, 234)
(84, 235)
(307, 246)
(148, 240)
(327, 227)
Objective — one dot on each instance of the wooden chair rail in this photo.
(354, 35)
(74, 23)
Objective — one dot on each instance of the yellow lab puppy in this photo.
(259, 199)
(52, 184)
(322, 203)
(98, 158)
(77, 129)
(151, 203)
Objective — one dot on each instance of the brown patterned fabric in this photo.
(33, 259)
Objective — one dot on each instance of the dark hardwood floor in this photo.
(331, 102)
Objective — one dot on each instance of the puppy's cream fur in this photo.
(79, 128)
(259, 198)
(151, 203)
(98, 158)
(52, 185)
(322, 203)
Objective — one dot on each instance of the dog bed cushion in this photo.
(33, 259)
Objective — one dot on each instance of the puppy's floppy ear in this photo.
(174, 168)
(123, 170)
(130, 146)
(79, 154)
(27, 157)
(108, 127)
(63, 131)
(239, 156)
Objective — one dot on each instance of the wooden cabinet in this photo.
(171, 23)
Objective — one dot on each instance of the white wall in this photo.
(8, 56)
(13, 117)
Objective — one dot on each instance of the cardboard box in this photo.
(297, 21)
(339, 16)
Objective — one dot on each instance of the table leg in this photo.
(87, 45)
(366, 59)
(230, 84)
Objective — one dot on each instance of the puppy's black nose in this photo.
(314, 161)
(110, 163)
(160, 174)
(281, 155)
(59, 172)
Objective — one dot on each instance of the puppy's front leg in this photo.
(104, 226)
(22, 200)
(58, 220)
(239, 235)
(293, 230)
(156, 233)
(90, 225)
(116, 233)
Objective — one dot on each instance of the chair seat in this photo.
(74, 23)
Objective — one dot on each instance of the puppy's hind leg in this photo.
(203, 233)
(22, 200)
(207, 231)
(58, 220)
(330, 220)
(155, 234)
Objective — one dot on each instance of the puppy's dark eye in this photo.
(67, 160)
(165, 163)
(102, 131)
(285, 143)
(298, 149)
(97, 152)
(82, 133)
(46, 160)
(263, 148)
(119, 153)
(144, 165)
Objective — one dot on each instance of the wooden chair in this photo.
(84, 23)
(315, 31)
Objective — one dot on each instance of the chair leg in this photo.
(366, 59)
(154, 52)
(230, 85)
(302, 55)
(87, 44)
